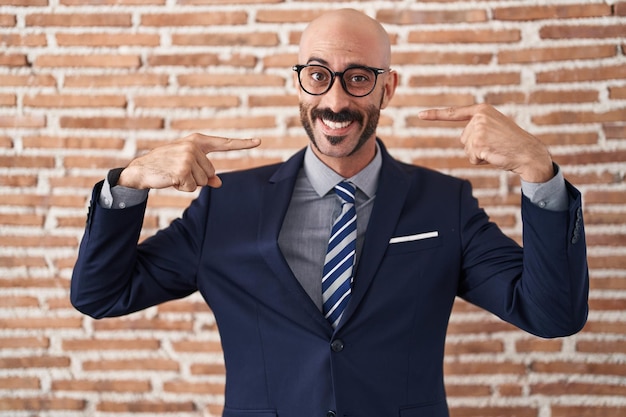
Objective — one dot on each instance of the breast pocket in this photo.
(414, 242)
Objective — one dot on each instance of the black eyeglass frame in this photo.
(339, 74)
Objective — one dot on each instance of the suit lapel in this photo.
(393, 186)
(276, 196)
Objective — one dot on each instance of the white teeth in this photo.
(336, 125)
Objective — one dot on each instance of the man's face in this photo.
(338, 124)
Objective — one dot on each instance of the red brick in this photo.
(587, 411)
(422, 17)
(551, 12)
(143, 324)
(33, 282)
(22, 362)
(482, 368)
(7, 20)
(111, 122)
(184, 306)
(41, 323)
(608, 72)
(607, 262)
(571, 367)
(78, 19)
(556, 54)
(13, 60)
(577, 388)
(286, 16)
(208, 369)
(491, 411)
(186, 101)
(17, 181)
(124, 80)
(8, 100)
(250, 122)
(230, 80)
(112, 2)
(227, 39)
(538, 345)
(136, 364)
(197, 346)
(273, 101)
(69, 142)
(39, 80)
(195, 19)
(74, 100)
(110, 344)
(109, 39)
(438, 58)
(606, 197)
(88, 61)
(582, 31)
(481, 79)
(592, 346)
(473, 390)
(44, 404)
(184, 60)
(17, 302)
(143, 406)
(204, 388)
(281, 61)
(605, 327)
(617, 93)
(22, 121)
(569, 117)
(17, 383)
(607, 283)
(24, 40)
(24, 342)
(100, 385)
(465, 36)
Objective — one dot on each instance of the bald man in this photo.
(332, 275)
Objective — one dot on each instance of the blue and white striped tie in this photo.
(339, 262)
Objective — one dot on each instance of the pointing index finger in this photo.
(448, 114)
(209, 144)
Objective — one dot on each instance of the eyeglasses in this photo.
(358, 81)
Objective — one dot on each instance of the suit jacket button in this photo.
(331, 413)
(337, 345)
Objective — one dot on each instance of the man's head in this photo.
(341, 122)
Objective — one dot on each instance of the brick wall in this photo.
(87, 84)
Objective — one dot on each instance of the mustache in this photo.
(344, 115)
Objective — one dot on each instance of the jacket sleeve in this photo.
(114, 275)
(545, 290)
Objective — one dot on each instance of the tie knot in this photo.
(345, 191)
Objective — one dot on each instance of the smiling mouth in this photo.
(336, 125)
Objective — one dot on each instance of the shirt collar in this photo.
(323, 179)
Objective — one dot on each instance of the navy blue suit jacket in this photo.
(386, 356)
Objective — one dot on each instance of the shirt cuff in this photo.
(113, 196)
(550, 195)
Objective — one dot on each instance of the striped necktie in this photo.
(339, 262)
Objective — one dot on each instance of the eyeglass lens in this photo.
(317, 79)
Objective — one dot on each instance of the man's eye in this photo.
(319, 76)
(359, 78)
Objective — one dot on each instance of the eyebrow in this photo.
(326, 63)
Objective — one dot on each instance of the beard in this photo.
(308, 115)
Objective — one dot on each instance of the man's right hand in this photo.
(182, 164)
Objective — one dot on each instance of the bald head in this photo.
(346, 32)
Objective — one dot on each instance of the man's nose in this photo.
(336, 99)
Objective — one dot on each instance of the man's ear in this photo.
(389, 89)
